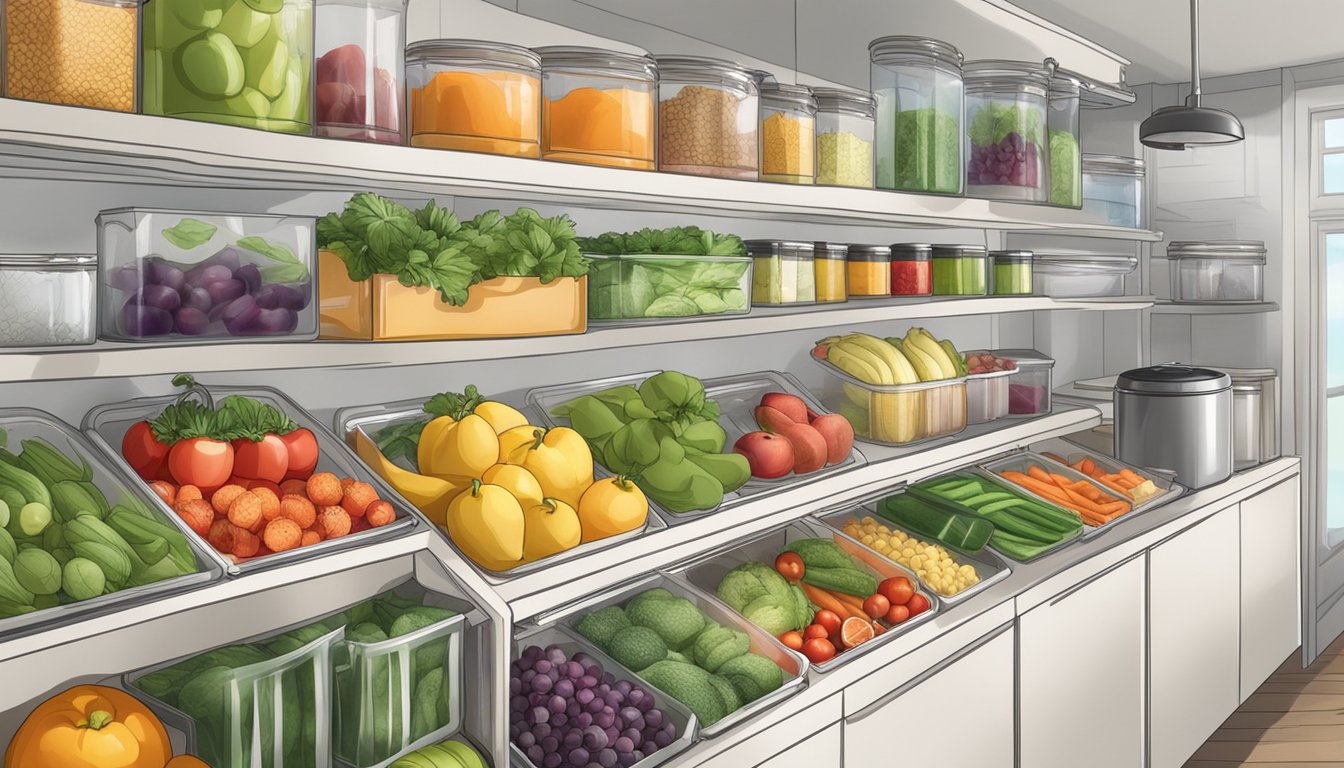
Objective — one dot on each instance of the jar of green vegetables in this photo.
(960, 270)
(1012, 272)
(1064, 137)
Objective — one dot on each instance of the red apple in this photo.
(768, 455)
(809, 448)
(839, 436)
(812, 415)
(345, 64)
(789, 405)
(772, 420)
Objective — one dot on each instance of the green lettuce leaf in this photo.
(190, 233)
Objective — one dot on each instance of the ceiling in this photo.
(1235, 35)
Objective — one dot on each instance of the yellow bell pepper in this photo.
(552, 526)
(560, 460)
(517, 481)
(486, 523)
(610, 506)
(502, 417)
(457, 451)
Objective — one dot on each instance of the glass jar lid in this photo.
(1065, 84)
(893, 48)
(474, 52)
(680, 67)
(959, 252)
(1247, 375)
(1223, 250)
(992, 73)
(911, 252)
(788, 248)
(1026, 358)
(1084, 262)
(54, 262)
(847, 100)
(833, 251)
(1173, 379)
(785, 96)
(869, 253)
(584, 57)
(1011, 257)
(1113, 164)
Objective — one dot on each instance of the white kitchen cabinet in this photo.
(820, 750)
(928, 717)
(1193, 624)
(1082, 672)
(1271, 626)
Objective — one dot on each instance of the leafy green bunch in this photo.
(234, 418)
(682, 241)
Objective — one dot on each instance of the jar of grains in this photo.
(79, 52)
(831, 267)
(708, 112)
(844, 137)
(788, 133)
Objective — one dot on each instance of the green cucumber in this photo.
(976, 502)
(849, 581)
(1010, 503)
(937, 523)
(1007, 521)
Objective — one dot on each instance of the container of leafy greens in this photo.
(657, 274)
(917, 85)
(389, 273)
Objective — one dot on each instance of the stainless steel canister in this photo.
(1255, 416)
(1176, 417)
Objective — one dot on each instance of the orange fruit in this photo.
(855, 631)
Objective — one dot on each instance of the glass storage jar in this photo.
(1217, 270)
(1064, 127)
(911, 269)
(782, 272)
(1113, 190)
(77, 52)
(869, 269)
(361, 74)
(960, 270)
(1029, 389)
(238, 62)
(46, 299)
(1255, 416)
(832, 269)
(788, 133)
(845, 137)
(474, 96)
(920, 103)
(708, 117)
(597, 107)
(1012, 272)
(1006, 128)
(1080, 274)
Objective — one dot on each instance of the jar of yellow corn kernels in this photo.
(78, 52)
(844, 137)
(788, 133)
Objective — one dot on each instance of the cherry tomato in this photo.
(302, 448)
(814, 631)
(876, 606)
(201, 462)
(792, 640)
(897, 590)
(265, 459)
(897, 614)
(829, 620)
(917, 605)
(819, 649)
(143, 451)
(790, 566)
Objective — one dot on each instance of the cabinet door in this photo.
(821, 750)
(1082, 671)
(1270, 604)
(925, 723)
(1193, 626)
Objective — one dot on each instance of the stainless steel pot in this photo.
(1255, 416)
(1176, 417)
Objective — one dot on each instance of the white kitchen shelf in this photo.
(1165, 307)
(106, 359)
(52, 141)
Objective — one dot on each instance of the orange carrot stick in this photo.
(1046, 490)
(1132, 476)
(1038, 473)
(824, 600)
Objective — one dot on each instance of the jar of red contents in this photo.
(911, 269)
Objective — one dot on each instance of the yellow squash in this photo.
(502, 417)
(90, 726)
(486, 523)
(430, 495)
(560, 460)
(551, 526)
(517, 481)
(610, 506)
(514, 439)
(457, 451)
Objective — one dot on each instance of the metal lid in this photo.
(1031, 73)
(1084, 262)
(787, 96)
(959, 251)
(783, 247)
(1224, 250)
(1011, 257)
(834, 251)
(911, 252)
(869, 253)
(474, 51)
(894, 47)
(51, 261)
(1065, 84)
(1247, 374)
(1117, 164)
(583, 57)
(1173, 379)
(699, 66)
(845, 100)
(1025, 358)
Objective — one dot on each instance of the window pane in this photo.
(1334, 133)
(1332, 174)
(1334, 315)
(1334, 469)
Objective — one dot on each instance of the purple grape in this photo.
(608, 678)
(559, 720)
(550, 743)
(626, 759)
(515, 729)
(607, 757)
(535, 699)
(162, 273)
(584, 719)
(584, 695)
(530, 654)
(594, 671)
(126, 279)
(630, 715)
(578, 756)
(624, 745)
(208, 273)
(556, 704)
(543, 667)
(515, 686)
(525, 740)
(612, 734)
(645, 704)
(197, 297)
(588, 682)
(573, 670)
(565, 687)
(527, 677)
(603, 690)
(624, 687)
(140, 320)
(653, 718)
(552, 760)
(160, 296)
(222, 291)
(226, 257)
(542, 682)
(273, 322)
(633, 734)
(556, 656)
(662, 738)
(572, 708)
(595, 738)
(239, 314)
(595, 707)
(573, 738)
(541, 730)
(518, 704)
(250, 277)
(613, 699)
(535, 753)
(634, 697)
(191, 321)
(605, 718)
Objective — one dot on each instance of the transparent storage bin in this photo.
(1006, 130)
(895, 414)
(597, 107)
(1065, 139)
(1217, 271)
(107, 426)
(1012, 273)
(474, 96)
(1113, 190)
(1031, 384)
(708, 118)
(921, 492)
(1065, 451)
(1023, 461)
(845, 131)
(184, 277)
(655, 287)
(158, 558)
(960, 270)
(911, 269)
(987, 396)
(788, 137)
(238, 62)
(869, 271)
(1076, 274)
(77, 52)
(920, 104)
(783, 272)
(361, 75)
(47, 299)
(832, 272)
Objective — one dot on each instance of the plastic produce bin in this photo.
(1113, 190)
(895, 414)
(190, 277)
(783, 272)
(474, 96)
(159, 556)
(1022, 461)
(107, 425)
(708, 118)
(992, 483)
(1064, 126)
(361, 75)
(1031, 384)
(1071, 453)
(960, 270)
(1006, 129)
(788, 136)
(1217, 270)
(77, 52)
(655, 287)
(987, 396)
(235, 62)
(1075, 274)
(47, 299)
(845, 128)
(917, 85)
(597, 107)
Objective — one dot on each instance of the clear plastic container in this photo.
(990, 483)
(895, 414)
(76, 52)
(107, 426)
(960, 270)
(1066, 452)
(361, 75)
(783, 272)
(911, 269)
(708, 118)
(1025, 461)
(182, 276)
(474, 96)
(597, 107)
(869, 269)
(1217, 270)
(845, 130)
(1113, 190)
(165, 557)
(1065, 140)
(1030, 386)
(238, 62)
(788, 133)
(655, 287)
(987, 396)
(832, 272)
(1077, 274)
(1012, 272)
(920, 101)
(47, 299)
(1006, 127)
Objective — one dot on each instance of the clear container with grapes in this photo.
(1006, 127)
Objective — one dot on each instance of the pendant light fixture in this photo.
(1191, 124)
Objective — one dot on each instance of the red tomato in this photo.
(790, 566)
(917, 605)
(829, 620)
(144, 452)
(302, 448)
(792, 640)
(815, 631)
(819, 649)
(897, 614)
(266, 459)
(897, 590)
(201, 462)
(876, 606)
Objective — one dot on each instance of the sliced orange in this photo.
(854, 631)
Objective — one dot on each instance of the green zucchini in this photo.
(935, 522)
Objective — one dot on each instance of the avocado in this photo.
(690, 685)
(429, 706)
(676, 620)
(718, 645)
(601, 626)
(731, 702)
(637, 648)
(752, 676)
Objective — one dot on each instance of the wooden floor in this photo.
(1294, 720)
